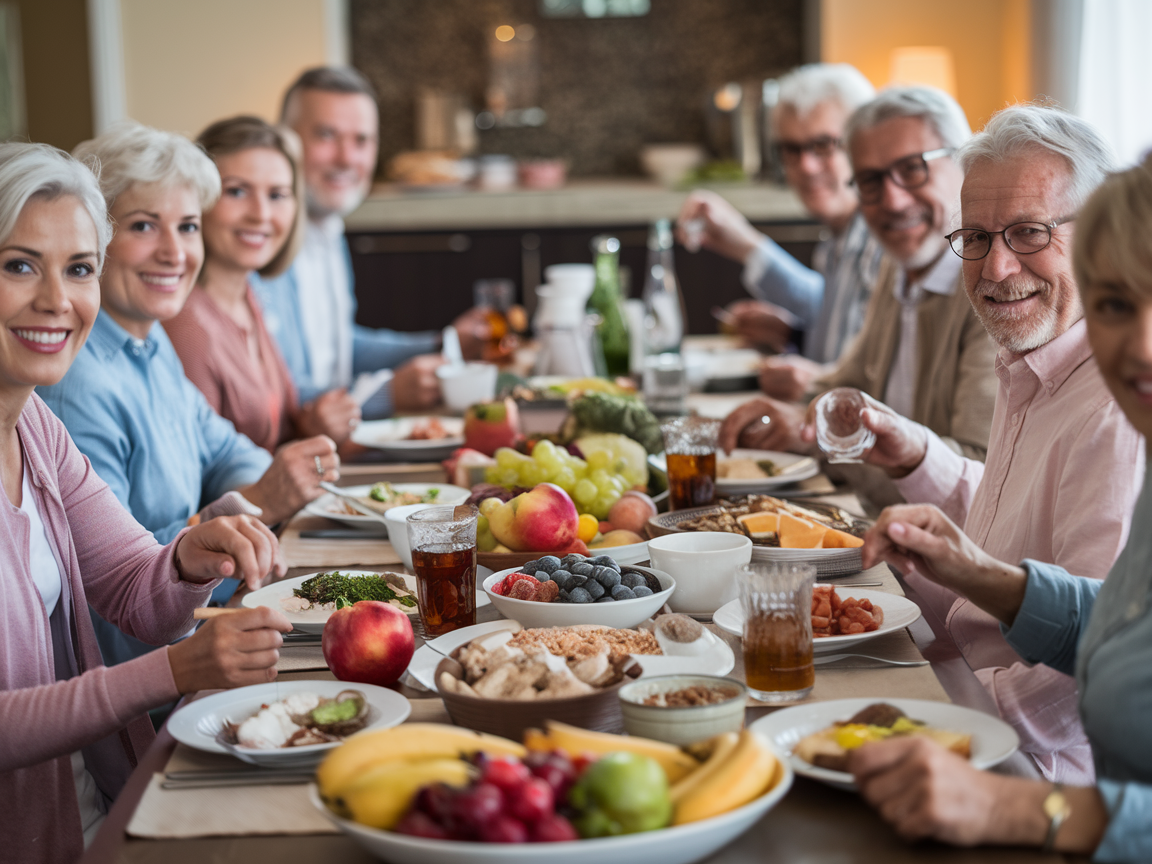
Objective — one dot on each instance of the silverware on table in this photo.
(821, 659)
(354, 502)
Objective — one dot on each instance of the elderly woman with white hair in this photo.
(149, 433)
(72, 728)
(1100, 631)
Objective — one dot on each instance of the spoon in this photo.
(450, 347)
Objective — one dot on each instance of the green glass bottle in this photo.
(612, 331)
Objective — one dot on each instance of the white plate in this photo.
(993, 740)
(197, 723)
(331, 507)
(799, 468)
(899, 612)
(679, 845)
(313, 621)
(391, 436)
(717, 660)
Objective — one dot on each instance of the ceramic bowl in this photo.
(681, 725)
(464, 386)
(704, 565)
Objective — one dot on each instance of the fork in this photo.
(832, 658)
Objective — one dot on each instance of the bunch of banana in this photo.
(560, 736)
(373, 776)
(741, 768)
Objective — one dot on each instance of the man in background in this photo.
(827, 302)
(310, 310)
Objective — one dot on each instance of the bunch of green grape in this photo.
(594, 484)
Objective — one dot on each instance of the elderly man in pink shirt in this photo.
(1064, 465)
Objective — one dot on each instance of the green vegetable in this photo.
(335, 712)
(601, 412)
(431, 495)
(335, 586)
(382, 492)
(621, 793)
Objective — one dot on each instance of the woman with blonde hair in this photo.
(73, 729)
(256, 225)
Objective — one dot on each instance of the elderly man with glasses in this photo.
(921, 350)
(827, 302)
(1064, 466)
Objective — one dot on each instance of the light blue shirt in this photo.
(149, 434)
(1102, 632)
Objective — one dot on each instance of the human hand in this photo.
(232, 650)
(919, 538)
(239, 547)
(473, 329)
(788, 377)
(901, 444)
(334, 414)
(414, 386)
(292, 480)
(763, 424)
(717, 225)
(762, 324)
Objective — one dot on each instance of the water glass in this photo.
(840, 432)
(665, 384)
(777, 600)
(690, 451)
(443, 543)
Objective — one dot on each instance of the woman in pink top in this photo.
(72, 728)
(227, 352)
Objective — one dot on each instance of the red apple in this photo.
(488, 426)
(537, 521)
(370, 642)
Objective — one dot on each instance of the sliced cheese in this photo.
(835, 539)
(796, 533)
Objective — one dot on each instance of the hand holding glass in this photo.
(840, 431)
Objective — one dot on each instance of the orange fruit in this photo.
(797, 533)
(834, 539)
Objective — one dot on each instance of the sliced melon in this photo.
(835, 539)
(760, 527)
(796, 533)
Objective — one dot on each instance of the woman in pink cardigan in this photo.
(72, 729)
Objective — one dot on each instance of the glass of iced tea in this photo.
(496, 297)
(443, 542)
(777, 601)
(690, 450)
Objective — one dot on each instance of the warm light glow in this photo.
(505, 33)
(727, 97)
(930, 64)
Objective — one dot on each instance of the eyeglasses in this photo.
(793, 151)
(911, 172)
(1023, 238)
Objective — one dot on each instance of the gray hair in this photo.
(807, 86)
(30, 171)
(1037, 126)
(130, 154)
(935, 107)
(327, 79)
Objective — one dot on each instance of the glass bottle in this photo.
(612, 330)
(662, 299)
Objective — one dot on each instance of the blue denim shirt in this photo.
(150, 435)
(1102, 633)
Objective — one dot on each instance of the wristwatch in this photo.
(1057, 809)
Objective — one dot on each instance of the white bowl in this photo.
(682, 725)
(618, 613)
(572, 278)
(464, 386)
(703, 564)
(669, 163)
(397, 522)
(677, 845)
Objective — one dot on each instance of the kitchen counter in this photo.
(583, 202)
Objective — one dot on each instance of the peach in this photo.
(632, 512)
(536, 521)
(619, 537)
(370, 642)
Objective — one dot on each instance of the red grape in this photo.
(504, 829)
(534, 801)
(508, 775)
(553, 828)
(477, 805)
(419, 824)
(436, 801)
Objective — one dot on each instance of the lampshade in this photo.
(924, 64)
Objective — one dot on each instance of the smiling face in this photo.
(253, 218)
(909, 223)
(339, 133)
(820, 182)
(1024, 301)
(154, 256)
(49, 293)
(1119, 318)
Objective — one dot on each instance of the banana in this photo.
(410, 741)
(379, 797)
(675, 762)
(746, 773)
(722, 747)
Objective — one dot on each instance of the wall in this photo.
(608, 85)
(989, 40)
(57, 92)
(187, 64)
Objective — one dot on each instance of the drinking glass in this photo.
(777, 600)
(690, 449)
(840, 432)
(496, 297)
(665, 384)
(443, 543)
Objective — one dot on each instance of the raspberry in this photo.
(548, 592)
(524, 589)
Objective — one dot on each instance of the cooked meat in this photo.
(878, 714)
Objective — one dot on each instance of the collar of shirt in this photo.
(108, 337)
(941, 278)
(1052, 363)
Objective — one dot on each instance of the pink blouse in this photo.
(107, 560)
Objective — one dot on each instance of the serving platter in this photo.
(899, 612)
(331, 507)
(794, 468)
(391, 437)
(993, 740)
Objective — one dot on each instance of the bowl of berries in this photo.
(575, 589)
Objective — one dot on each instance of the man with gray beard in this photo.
(1064, 466)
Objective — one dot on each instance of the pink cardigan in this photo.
(114, 564)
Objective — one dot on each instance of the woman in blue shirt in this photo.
(1099, 631)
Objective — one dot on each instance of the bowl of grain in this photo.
(683, 709)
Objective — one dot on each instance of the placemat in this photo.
(299, 552)
(301, 658)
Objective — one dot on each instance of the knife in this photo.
(354, 502)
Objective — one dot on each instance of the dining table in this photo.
(813, 823)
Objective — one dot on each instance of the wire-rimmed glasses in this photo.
(1023, 238)
(911, 172)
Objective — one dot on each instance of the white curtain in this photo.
(1115, 80)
